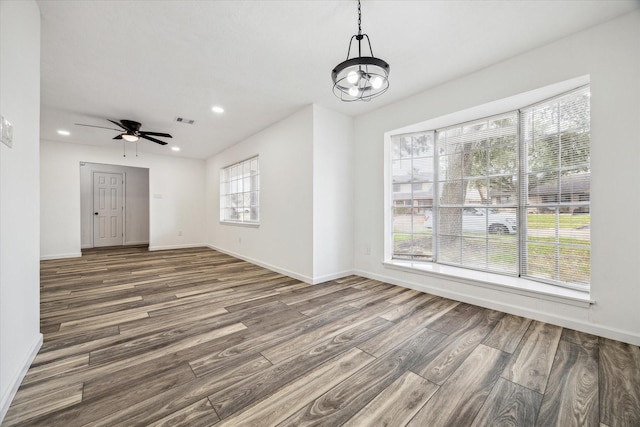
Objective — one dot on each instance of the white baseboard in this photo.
(542, 316)
(136, 243)
(14, 384)
(333, 276)
(168, 247)
(284, 271)
(61, 256)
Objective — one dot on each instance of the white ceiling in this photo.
(152, 61)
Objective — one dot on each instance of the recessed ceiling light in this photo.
(217, 109)
(64, 132)
(175, 148)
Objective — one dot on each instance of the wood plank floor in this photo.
(194, 337)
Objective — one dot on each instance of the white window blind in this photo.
(508, 194)
(556, 189)
(477, 213)
(240, 192)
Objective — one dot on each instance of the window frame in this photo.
(232, 189)
(521, 208)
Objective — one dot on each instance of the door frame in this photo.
(124, 205)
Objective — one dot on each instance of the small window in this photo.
(240, 192)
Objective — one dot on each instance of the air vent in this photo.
(185, 121)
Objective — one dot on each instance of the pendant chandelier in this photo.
(361, 78)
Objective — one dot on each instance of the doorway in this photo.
(114, 204)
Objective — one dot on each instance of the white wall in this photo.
(176, 205)
(332, 194)
(306, 197)
(283, 241)
(20, 336)
(610, 54)
(136, 202)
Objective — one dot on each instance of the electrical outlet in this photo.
(367, 250)
(180, 233)
(239, 240)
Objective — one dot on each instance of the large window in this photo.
(240, 192)
(507, 194)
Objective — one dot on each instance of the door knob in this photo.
(95, 213)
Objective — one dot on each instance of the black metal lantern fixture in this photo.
(361, 78)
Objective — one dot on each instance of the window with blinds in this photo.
(412, 166)
(507, 194)
(477, 214)
(556, 189)
(240, 192)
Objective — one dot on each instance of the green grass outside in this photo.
(401, 237)
(574, 267)
(549, 221)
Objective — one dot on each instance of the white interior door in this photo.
(108, 209)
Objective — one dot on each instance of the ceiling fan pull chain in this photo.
(136, 148)
(124, 150)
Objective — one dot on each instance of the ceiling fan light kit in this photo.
(132, 131)
(361, 78)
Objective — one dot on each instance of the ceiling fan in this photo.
(132, 131)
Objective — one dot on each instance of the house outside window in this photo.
(507, 194)
(240, 192)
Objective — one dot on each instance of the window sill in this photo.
(241, 224)
(498, 282)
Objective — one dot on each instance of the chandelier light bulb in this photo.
(376, 82)
(353, 77)
(354, 91)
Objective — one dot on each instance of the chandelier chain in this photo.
(359, 19)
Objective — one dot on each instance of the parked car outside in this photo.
(474, 221)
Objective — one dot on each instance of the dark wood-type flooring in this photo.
(194, 337)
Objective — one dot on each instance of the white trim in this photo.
(169, 247)
(145, 242)
(241, 224)
(498, 282)
(284, 271)
(518, 310)
(333, 276)
(124, 207)
(60, 256)
(499, 106)
(14, 384)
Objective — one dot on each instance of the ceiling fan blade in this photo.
(157, 141)
(118, 137)
(130, 125)
(92, 126)
(165, 135)
(119, 124)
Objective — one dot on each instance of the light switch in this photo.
(6, 132)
